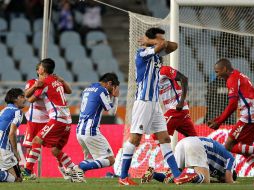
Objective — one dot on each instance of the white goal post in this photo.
(174, 25)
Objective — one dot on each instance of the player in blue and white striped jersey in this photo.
(10, 119)
(95, 99)
(207, 157)
(147, 116)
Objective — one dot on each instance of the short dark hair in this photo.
(12, 95)
(224, 63)
(110, 77)
(151, 32)
(49, 65)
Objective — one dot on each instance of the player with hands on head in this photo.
(147, 116)
(173, 97)
(96, 98)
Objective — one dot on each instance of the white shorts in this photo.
(7, 159)
(147, 118)
(98, 145)
(190, 152)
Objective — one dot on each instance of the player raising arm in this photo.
(177, 113)
(240, 93)
(147, 116)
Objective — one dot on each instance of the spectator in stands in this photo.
(91, 17)
(65, 19)
(34, 8)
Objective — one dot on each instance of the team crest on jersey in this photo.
(237, 132)
(67, 128)
(141, 127)
(231, 91)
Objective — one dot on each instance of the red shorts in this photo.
(179, 121)
(55, 134)
(32, 129)
(243, 132)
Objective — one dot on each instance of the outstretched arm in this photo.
(232, 106)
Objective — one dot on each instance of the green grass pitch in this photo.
(111, 184)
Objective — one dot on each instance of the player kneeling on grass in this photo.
(10, 119)
(202, 155)
(98, 97)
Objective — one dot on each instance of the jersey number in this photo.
(60, 89)
(84, 101)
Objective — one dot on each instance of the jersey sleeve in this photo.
(232, 85)
(230, 165)
(147, 52)
(168, 72)
(106, 101)
(18, 116)
(29, 84)
(40, 91)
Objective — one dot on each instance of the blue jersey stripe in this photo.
(92, 105)
(219, 159)
(147, 75)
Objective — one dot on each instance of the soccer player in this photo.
(177, 113)
(10, 119)
(95, 99)
(37, 118)
(37, 115)
(147, 116)
(240, 92)
(56, 133)
(206, 156)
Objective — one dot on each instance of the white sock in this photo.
(128, 149)
(104, 162)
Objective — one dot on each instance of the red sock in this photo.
(65, 160)
(33, 156)
(243, 149)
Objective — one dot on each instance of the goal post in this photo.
(205, 32)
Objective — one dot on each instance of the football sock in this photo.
(128, 151)
(33, 156)
(65, 160)
(6, 177)
(95, 164)
(170, 159)
(243, 149)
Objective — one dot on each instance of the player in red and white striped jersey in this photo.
(36, 116)
(56, 133)
(173, 97)
(241, 95)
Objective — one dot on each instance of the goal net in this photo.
(206, 35)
